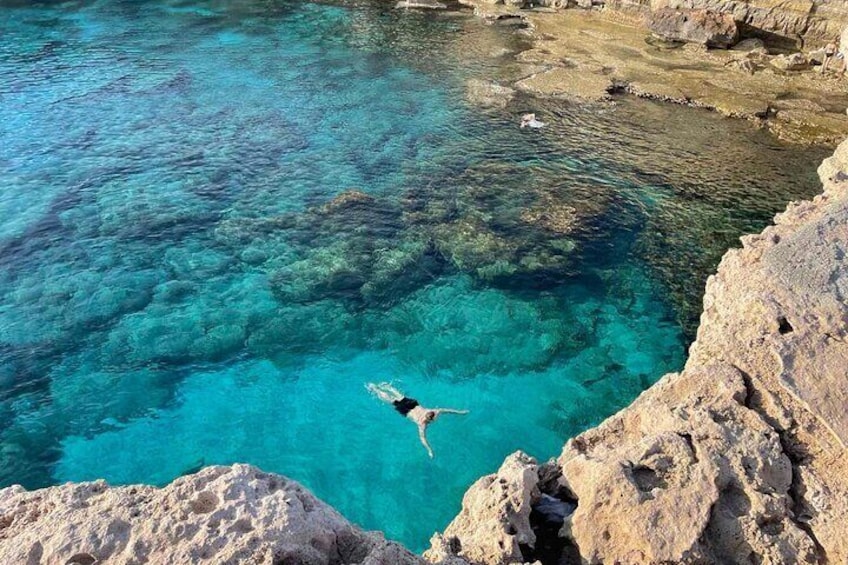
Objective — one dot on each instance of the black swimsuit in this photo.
(405, 405)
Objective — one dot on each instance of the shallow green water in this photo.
(179, 288)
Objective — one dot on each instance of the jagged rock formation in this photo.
(802, 21)
(220, 515)
(713, 29)
(798, 21)
(495, 518)
(742, 457)
(584, 56)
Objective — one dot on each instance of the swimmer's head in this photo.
(429, 416)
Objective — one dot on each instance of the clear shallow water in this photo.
(177, 291)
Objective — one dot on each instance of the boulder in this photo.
(816, 57)
(690, 460)
(751, 44)
(704, 27)
(789, 63)
(232, 514)
(494, 522)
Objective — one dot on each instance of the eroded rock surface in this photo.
(798, 20)
(713, 29)
(494, 522)
(220, 515)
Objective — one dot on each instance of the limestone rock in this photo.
(220, 515)
(687, 459)
(750, 44)
(790, 341)
(796, 21)
(793, 62)
(583, 57)
(742, 456)
(579, 83)
(704, 27)
(495, 519)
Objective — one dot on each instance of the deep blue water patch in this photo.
(218, 223)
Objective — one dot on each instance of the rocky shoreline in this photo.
(587, 55)
(739, 458)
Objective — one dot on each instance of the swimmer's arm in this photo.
(422, 434)
(449, 411)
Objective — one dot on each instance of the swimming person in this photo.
(410, 408)
(530, 121)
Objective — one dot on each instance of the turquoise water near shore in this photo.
(219, 222)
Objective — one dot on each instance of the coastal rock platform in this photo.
(585, 56)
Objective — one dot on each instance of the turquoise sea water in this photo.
(179, 287)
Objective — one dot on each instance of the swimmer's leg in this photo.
(391, 391)
(384, 391)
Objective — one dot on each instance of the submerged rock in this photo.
(489, 94)
(372, 251)
(705, 27)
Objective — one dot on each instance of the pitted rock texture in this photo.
(687, 474)
(231, 515)
(742, 457)
(495, 519)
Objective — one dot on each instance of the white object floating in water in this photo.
(530, 121)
